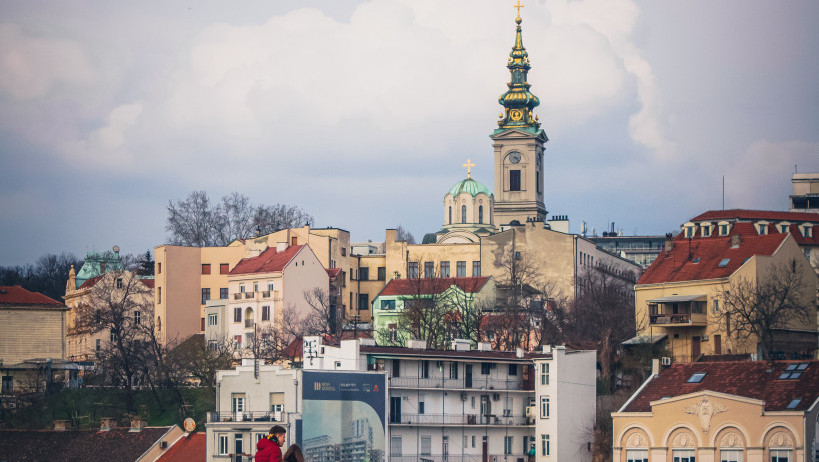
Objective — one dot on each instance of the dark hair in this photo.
(293, 454)
(277, 429)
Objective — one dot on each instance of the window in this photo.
(514, 180)
(223, 443)
(696, 377)
(119, 283)
(213, 319)
(793, 371)
(636, 455)
(364, 302)
(689, 231)
(476, 268)
(277, 403)
(507, 445)
(159, 294)
(255, 287)
(762, 227)
(485, 368)
(238, 402)
(241, 288)
(683, 455)
(463, 214)
(426, 445)
(412, 269)
(544, 374)
(480, 214)
(537, 181)
(421, 406)
(429, 269)
(382, 273)
(205, 295)
(8, 384)
(807, 230)
(453, 370)
(159, 267)
(724, 228)
(444, 269)
(98, 345)
(364, 274)
(513, 369)
(238, 339)
(425, 369)
(137, 317)
(224, 268)
(294, 240)
(213, 345)
(265, 313)
(724, 262)
(223, 293)
(202, 328)
(113, 336)
(705, 230)
(730, 455)
(387, 304)
(781, 455)
(545, 407)
(794, 402)
(450, 215)
(205, 268)
(396, 445)
(393, 332)
(237, 314)
(544, 445)
(460, 269)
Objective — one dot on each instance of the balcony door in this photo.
(395, 409)
(468, 376)
(695, 348)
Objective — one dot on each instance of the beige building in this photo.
(721, 411)
(805, 197)
(679, 294)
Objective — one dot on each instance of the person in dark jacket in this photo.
(268, 449)
(293, 454)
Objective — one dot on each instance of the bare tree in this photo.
(195, 358)
(324, 317)
(756, 309)
(233, 218)
(267, 219)
(46, 276)
(403, 235)
(191, 221)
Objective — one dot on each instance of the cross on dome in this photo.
(518, 6)
(468, 166)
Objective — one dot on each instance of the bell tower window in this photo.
(514, 180)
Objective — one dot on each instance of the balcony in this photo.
(457, 457)
(463, 420)
(476, 384)
(247, 416)
(679, 320)
(249, 323)
(678, 311)
(237, 296)
(250, 294)
(266, 294)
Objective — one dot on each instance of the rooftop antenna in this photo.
(795, 168)
(723, 191)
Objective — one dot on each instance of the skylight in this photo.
(696, 260)
(793, 371)
(697, 377)
(724, 262)
(794, 402)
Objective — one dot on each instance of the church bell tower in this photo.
(519, 145)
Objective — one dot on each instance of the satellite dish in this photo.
(190, 425)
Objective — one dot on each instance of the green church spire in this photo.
(518, 102)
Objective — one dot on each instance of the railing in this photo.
(250, 294)
(680, 318)
(248, 323)
(266, 294)
(247, 416)
(477, 383)
(457, 457)
(463, 419)
(237, 296)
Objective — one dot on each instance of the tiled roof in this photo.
(471, 354)
(741, 214)
(190, 447)
(115, 444)
(750, 379)
(269, 261)
(18, 296)
(432, 286)
(675, 265)
(333, 272)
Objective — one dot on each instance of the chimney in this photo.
(416, 344)
(107, 423)
(736, 240)
(484, 346)
(60, 425)
(281, 246)
(655, 366)
(460, 344)
(519, 352)
(137, 424)
(669, 242)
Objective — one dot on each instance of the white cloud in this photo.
(106, 146)
(31, 66)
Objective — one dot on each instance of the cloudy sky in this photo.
(362, 112)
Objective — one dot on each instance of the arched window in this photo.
(450, 215)
(480, 214)
(463, 214)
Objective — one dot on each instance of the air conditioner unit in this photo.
(704, 338)
(495, 396)
(530, 411)
(665, 361)
(463, 396)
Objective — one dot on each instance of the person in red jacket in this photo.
(268, 449)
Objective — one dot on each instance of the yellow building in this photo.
(749, 411)
(679, 295)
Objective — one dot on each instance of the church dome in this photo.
(469, 186)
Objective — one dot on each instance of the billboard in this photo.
(343, 416)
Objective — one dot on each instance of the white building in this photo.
(461, 404)
(249, 400)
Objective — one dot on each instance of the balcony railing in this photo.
(237, 296)
(463, 419)
(266, 294)
(682, 319)
(250, 294)
(476, 383)
(247, 416)
(456, 457)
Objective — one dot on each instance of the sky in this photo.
(362, 112)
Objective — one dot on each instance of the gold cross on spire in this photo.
(518, 6)
(468, 166)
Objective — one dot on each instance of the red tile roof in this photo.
(750, 379)
(675, 265)
(767, 215)
(18, 296)
(116, 444)
(191, 447)
(269, 261)
(333, 272)
(432, 286)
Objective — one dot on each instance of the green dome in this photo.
(469, 186)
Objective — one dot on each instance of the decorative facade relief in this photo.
(683, 440)
(705, 410)
(731, 439)
(781, 439)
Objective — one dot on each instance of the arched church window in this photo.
(463, 214)
(480, 214)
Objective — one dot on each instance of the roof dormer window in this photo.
(706, 229)
(783, 227)
(724, 228)
(806, 229)
(761, 227)
(689, 229)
